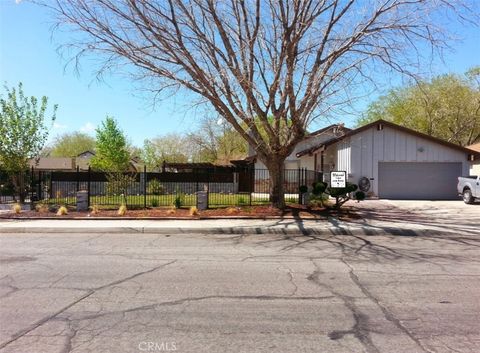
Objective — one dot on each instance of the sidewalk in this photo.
(216, 226)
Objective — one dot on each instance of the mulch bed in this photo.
(254, 212)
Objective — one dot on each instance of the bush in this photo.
(360, 196)
(154, 187)
(95, 209)
(155, 202)
(17, 208)
(318, 188)
(179, 200)
(193, 211)
(122, 210)
(41, 208)
(303, 189)
(318, 200)
(62, 211)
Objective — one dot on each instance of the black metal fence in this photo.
(225, 187)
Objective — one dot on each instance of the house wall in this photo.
(359, 155)
(292, 161)
(475, 168)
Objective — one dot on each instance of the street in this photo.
(233, 293)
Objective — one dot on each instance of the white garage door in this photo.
(418, 181)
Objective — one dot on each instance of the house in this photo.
(386, 160)
(83, 162)
(475, 166)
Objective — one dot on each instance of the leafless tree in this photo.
(268, 67)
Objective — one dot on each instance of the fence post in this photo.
(208, 187)
(32, 183)
(78, 178)
(144, 186)
(88, 187)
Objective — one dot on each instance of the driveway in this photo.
(445, 216)
(226, 293)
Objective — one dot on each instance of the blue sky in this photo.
(28, 54)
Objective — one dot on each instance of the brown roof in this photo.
(475, 147)
(400, 128)
(320, 145)
(52, 163)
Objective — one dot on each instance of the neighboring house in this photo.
(391, 161)
(475, 166)
(59, 164)
(83, 162)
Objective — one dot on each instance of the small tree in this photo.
(23, 133)
(341, 195)
(112, 156)
(111, 148)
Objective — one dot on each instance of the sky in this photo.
(28, 54)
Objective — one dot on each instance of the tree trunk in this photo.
(276, 169)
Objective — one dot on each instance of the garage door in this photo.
(418, 181)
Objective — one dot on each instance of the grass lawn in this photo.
(214, 200)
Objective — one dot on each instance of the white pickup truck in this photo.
(469, 188)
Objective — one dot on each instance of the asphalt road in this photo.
(220, 293)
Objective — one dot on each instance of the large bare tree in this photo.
(268, 67)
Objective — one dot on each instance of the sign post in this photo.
(338, 179)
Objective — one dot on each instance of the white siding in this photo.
(475, 168)
(343, 156)
(369, 147)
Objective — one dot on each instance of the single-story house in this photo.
(387, 160)
(475, 166)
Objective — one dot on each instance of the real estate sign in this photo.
(338, 179)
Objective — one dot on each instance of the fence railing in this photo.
(235, 187)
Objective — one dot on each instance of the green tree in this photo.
(23, 132)
(217, 142)
(72, 144)
(112, 153)
(173, 148)
(447, 107)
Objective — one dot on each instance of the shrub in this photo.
(41, 208)
(193, 211)
(122, 210)
(318, 200)
(62, 211)
(95, 209)
(171, 211)
(360, 196)
(155, 203)
(232, 210)
(319, 188)
(303, 189)
(154, 187)
(17, 208)
(179, 200)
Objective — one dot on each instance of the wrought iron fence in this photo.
(225, 187)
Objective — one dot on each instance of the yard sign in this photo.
(338, 179)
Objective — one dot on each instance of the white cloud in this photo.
(88, 127)
(59, 126)
(18, 1)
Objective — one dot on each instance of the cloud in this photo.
(18, 1)
(59, 126)
(88, 127)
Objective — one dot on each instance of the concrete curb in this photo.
(291, 230)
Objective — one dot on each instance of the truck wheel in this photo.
(467, 196)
